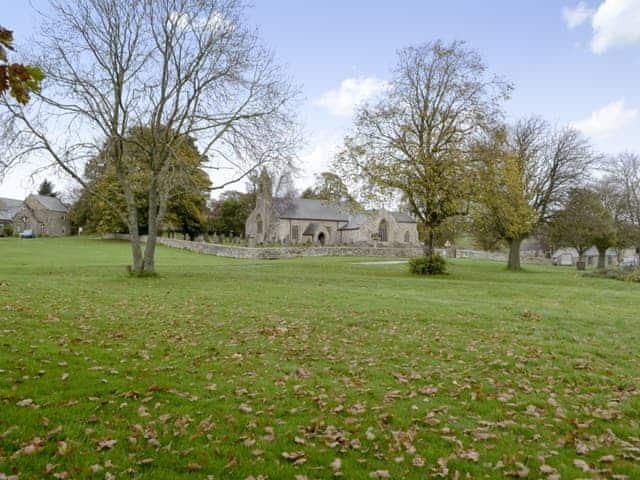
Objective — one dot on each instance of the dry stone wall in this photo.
(316, 251)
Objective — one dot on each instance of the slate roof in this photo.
(312, 229)
(403, 217)
(310, 209)
(51, 203)
(8, 208)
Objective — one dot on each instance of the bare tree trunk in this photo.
(514, 254)
(152, 234)
(602, 259)
(428, 242)
(580, 264)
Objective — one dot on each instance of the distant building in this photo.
(299, 220)
(46, 216)
(8, 210)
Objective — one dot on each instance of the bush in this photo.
(428, 265)
(7, 231)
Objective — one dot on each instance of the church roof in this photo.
(311, 209)
(8, 208)
(312, 229)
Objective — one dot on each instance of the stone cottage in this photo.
(8, 210)
(46, 216)
(299, 221)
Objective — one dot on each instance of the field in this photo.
(310, 368)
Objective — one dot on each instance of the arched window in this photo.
(259, 222)
(407, 237)
(382, 231)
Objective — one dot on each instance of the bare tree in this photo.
(181, 68)
(553, 162)
(415, 141)
(621, 190)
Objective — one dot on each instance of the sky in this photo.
(572, 62)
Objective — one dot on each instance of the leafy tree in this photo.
(330, 187)
(17, 79)
(414, 142)
(503, 210)
(528, 170)
(583, 223)
(186, 207)
(46, 188)
(230, 213)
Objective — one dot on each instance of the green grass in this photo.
(217, 367)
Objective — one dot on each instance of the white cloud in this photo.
(616, 23)
(576, 16)
(608, 120)
(342, 101)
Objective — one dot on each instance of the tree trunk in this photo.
(514, 254)
(602, 259)
(152, 235)
(581, 264)
(136, 249)
(428, 242)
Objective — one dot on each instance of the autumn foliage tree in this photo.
(528, 170)
(501, 210)
(415, 141)
(16, 79)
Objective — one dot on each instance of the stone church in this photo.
(320, 222)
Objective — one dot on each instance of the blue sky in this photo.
(570, 61)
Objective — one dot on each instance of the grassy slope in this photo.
(218, 365)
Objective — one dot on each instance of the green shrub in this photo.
(8, 230)
(428, 265)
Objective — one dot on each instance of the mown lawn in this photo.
(310, 368)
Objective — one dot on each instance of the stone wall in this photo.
(340, 251)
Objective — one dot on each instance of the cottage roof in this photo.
(51, 203)
(8, 208)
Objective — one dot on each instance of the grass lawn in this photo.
(310, 368)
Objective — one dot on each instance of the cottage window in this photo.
(382, 231)
(295, 233)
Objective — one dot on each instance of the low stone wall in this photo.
(279, 252)
(525, 257)
(340, 251)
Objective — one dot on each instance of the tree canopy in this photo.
(19, 80)
(414, 141)
(583, 223)
(186, 207)
(47, 188)
(230, 212)
(330, 187)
